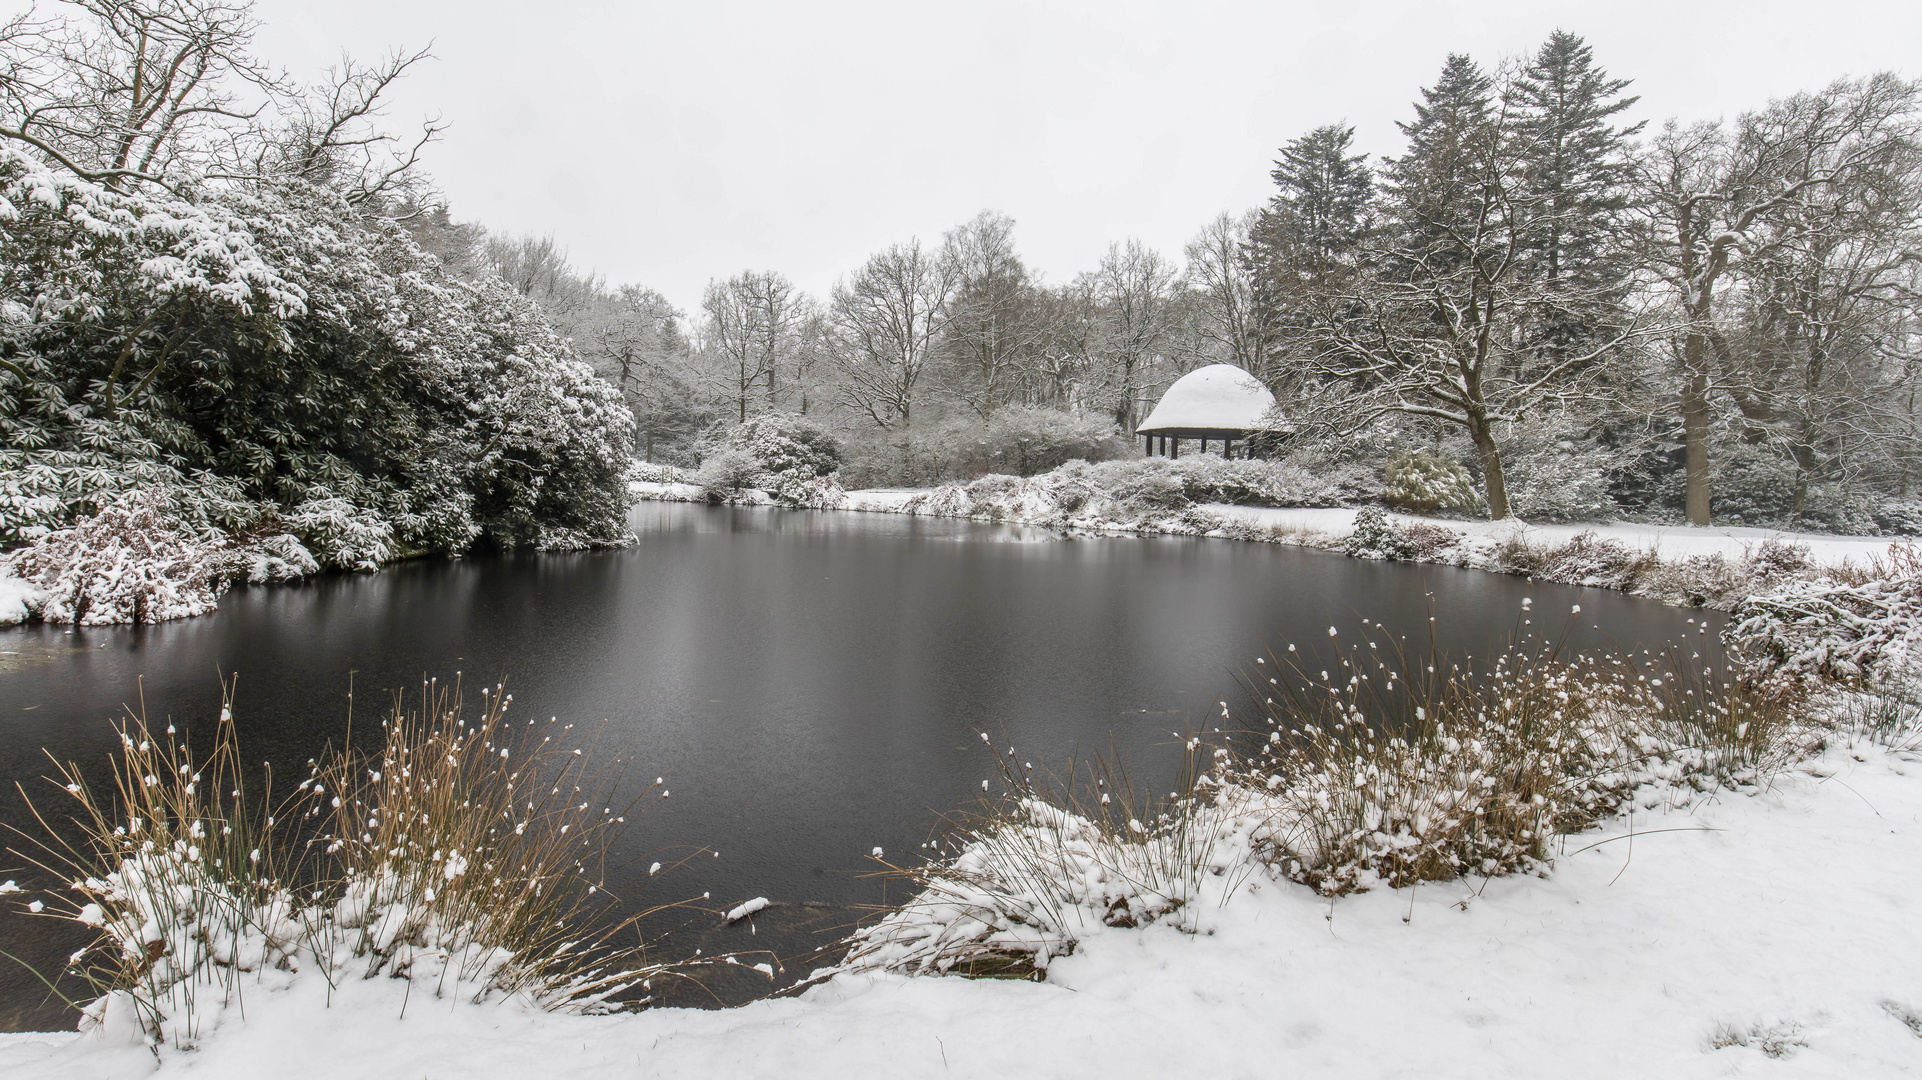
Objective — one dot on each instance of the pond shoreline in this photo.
(1677, 565)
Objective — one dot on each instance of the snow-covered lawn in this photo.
(1780, 926)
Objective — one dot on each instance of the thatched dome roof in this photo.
(1217, 398)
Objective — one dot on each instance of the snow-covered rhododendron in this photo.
(276, 362)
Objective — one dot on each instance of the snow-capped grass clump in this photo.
(465, 857)
(1043, 862)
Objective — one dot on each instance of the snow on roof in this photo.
(1219, 396)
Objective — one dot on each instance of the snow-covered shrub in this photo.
(270, 346)
(1375, 537)
(1142, 486)
(1562, 482)
(726, 474)
(18, 599)
(1712, 580)
(1847, 631)
(1586, 559)
(342, 535)
(266, 560)
(1752, 485)
(1207, 478)
(1898, 517)
(132, 562)
(1425, 483)
(650, 472)
(1430, 543)
(948, 500)
(790, 454)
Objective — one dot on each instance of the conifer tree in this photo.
(1577, 173)
(1436, 187)
(1308, 230)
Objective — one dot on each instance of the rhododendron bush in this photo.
(287, 383)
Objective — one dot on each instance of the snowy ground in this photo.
(1781, 926)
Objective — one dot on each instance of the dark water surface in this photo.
(813, 685)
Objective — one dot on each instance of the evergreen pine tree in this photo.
(1313, 222)
(1436, 185)
(1576, 166)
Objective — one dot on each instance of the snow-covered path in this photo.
(1788, 930)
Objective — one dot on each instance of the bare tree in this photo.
(330, 136)
(993, 326)
(1825, 303)
(141, 90)
(1707, 195)
(752, 331)
(538, 268)
(885, 322)
(1218, 275)
(1134, 286)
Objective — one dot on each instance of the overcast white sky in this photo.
(666, 144)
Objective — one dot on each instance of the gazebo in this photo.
(1219, 402)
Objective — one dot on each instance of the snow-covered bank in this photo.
(1717, 566)
(1773, 925)
(1663, 541)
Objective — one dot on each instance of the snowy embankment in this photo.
(1717, 567)
(1698, 942)
(1663, 541)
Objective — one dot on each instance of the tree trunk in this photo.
(1493, 478)
(1695, 428)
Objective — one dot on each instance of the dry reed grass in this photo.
(466, 856)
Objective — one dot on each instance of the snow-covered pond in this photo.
(813, 685)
